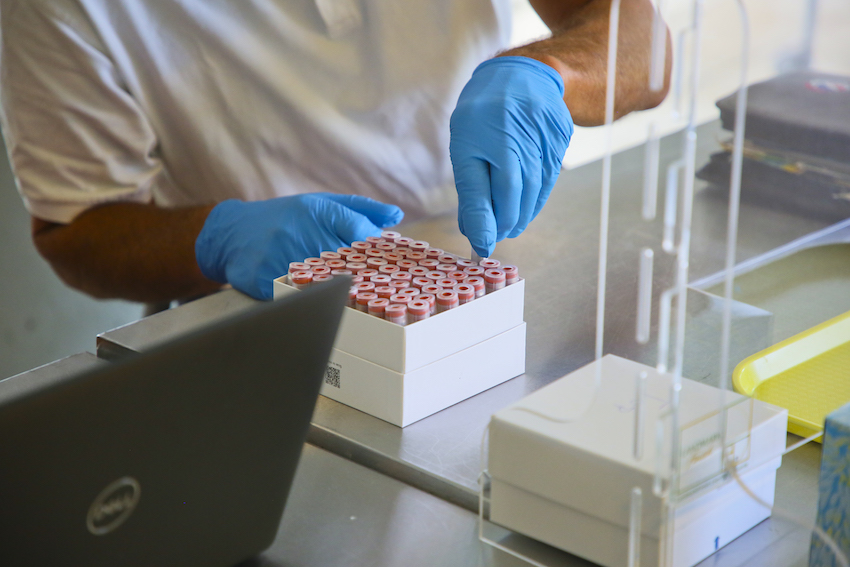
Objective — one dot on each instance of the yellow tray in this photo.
(808, 374)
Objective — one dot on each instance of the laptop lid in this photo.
(180, 456)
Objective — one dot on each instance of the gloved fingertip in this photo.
(265, 289)
(516, 232)
(393, 217)
(483, 246)
(483, 251)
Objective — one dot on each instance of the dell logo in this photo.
(113, 505)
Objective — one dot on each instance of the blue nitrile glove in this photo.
(248, 244)
(509, 133)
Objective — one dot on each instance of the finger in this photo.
(475, 206)
(551, 172)
(380, 214)
(506, 181)
(531, 188)
(349, 225)
(254, 275)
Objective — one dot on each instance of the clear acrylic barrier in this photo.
(715, 449)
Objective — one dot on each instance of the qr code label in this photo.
(333, 375)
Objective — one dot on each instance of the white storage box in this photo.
(402, 374)
(568, 482)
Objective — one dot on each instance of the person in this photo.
(166, 148)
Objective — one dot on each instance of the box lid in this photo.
(575, 446)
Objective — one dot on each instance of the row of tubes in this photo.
(404, 280)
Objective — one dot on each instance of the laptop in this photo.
(180, 456)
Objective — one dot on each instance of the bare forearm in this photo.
(128, 251)
(578, 50)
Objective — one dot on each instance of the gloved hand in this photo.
(509, 133)
(248, 244)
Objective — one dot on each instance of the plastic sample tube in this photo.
(319, 278)
(411, 292)
(301, 280)
(314, 261)
(352, 297)
(489, 263)
(418, 311)
(389, 269)
(363, 299)
(328, 255)
(376, 262)
(511, 274)
(430, 299)
(377, 306)
(465, 293)
(400, 298)
(417, 256)
(462, 264)
(419, 271)
(385, 246)
(341, 273)
(420, 281)
(435, 275)
(396, 313)
(448, 259)
(406, 264)
(392, 257)
(320, 271)
(390, 236)
(385, 291)
(344, 252)
(447, 299)
(458, 276)
(403, 241)
(434, 253)
(374, 240)
(361, 246)
(402, 251)
(430, 263)
(380, 279)
(494, 280)
(355, 267)
(403, 276)
(432, 289)
(478, 283)
(367, 274)
(447, 283)
(446, 268)
(357, 257)
(365, 286)
(474, 271)
(298, 267)
(335, 264)
(420, 246)
(374, 253)
(399, 284)
(355, 279)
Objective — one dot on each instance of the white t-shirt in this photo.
(184, 102)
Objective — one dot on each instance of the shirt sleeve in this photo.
(75, 136)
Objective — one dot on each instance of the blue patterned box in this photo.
(834, 489)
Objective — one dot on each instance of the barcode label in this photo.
(332, 375)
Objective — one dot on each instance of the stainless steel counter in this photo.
(557, 255)
(342, 514)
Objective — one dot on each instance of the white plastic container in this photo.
(569, 483)
(402, 374)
